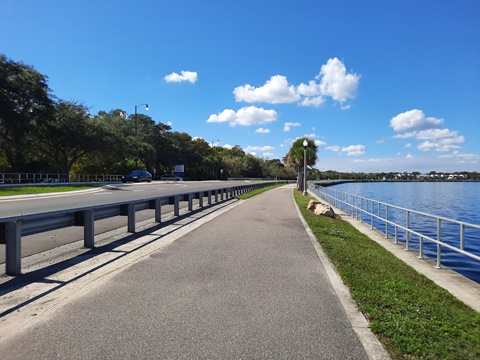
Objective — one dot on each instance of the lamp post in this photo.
(214, 175)
(136, 129)
(305, 144)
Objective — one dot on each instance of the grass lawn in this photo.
(412, 316)
(29, 190)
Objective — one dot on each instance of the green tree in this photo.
(295, 158)
(25, 103)
(68, 136)
(118, 154)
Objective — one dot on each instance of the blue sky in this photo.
(379, 85)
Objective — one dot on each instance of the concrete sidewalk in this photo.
(248, 284)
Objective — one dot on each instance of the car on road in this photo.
(137, 176)
(170, 177)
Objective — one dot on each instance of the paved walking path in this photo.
(247, 284)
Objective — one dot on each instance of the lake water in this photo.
(454, 200)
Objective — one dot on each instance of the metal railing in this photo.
(31, 178)
(12, 228)
(417, 230)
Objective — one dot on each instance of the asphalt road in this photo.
(130, 191)
(41, 242)
(246, 285)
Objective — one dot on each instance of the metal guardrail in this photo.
(12, 228)
(408, 226)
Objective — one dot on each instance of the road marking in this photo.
(47, 196)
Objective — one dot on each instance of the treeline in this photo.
(396, 176)
(41, 133)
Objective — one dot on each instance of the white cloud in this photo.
(227, 146)
(275, 91)
(408, 145)
(436, 134)
(416, 125)
(332, 81)
(313, 101)
(185, 76)
(246, 116)
(312, 89)
(319, 143)
(264, 150)
(262, 131)
(287, 126)
(354, 150)
(334, 148)
(442, 145)
(335, 81)
(414, 120)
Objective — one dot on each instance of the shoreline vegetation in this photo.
(412, 316)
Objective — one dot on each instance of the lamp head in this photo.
(146, 106)
(305, 143)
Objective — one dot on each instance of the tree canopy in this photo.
(41, 133)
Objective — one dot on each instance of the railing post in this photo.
(13, 247)
(407, 235)
(89, 228)
(439, 248)
(209, 195)
(361, 210)
(420, 248)
(200, 199)
(386, 224)
(371, 213)
(462, 237)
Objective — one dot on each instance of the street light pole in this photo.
(136, 130)
(214, 175)
(305, 144)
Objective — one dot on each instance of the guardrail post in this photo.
(176, 206)
(209, 195)
(131, 217)
(216, 195)
(190, 202)
(13, 247)
(158, 210)
(89, 228)
(200, 199)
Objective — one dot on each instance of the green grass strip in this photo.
(412, 316)
(33, 190)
